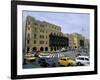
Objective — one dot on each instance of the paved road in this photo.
(55, 57)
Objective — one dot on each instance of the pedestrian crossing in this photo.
(57, 55)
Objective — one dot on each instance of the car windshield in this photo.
(81, 58)
(68, 58)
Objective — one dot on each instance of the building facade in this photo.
(77, 41)
(43, 36)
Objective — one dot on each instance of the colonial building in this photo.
(43, 36)
(77, 41)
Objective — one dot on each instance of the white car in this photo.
(44, 56)
(82, 60)
(58, 51)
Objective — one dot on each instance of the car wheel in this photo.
(54, 65)
(69, 64)
(79, 64)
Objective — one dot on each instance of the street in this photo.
(55, 57)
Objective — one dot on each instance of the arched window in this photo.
(28, 49)
(55, 48)
(41, 49)
(46, 48)
(51, 49)
(34, 48)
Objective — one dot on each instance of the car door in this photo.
(63, 61)
(86, 61)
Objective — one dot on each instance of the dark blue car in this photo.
(46, 62)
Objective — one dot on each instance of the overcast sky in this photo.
(69, 22)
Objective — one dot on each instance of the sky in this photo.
(69, 22)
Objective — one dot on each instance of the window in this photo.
(81, 58)
(51, 49)
(63, 59)
(42, 25)
(46, 37)
(28, 35)
(28, 28)
(87, 59)
(27, 41)
(34, 41)
(41, 36)
(41, 49)
(55, 48)
(41, 42)
(42, 31)
(34, 48)
(35, 36)
(46, 48)
(35, 24)
(46, 42)
(35, 29)
(28, 49)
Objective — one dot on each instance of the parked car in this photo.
(66, 61)
(44, 56)
(64, 50)
(58, 51)
(29, 58)
(82, 60)
(46, 62)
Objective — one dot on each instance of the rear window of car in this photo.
(87, 59)
(63, 59)
(81, 58)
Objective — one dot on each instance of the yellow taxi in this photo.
(66, 61)
(29, 58)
